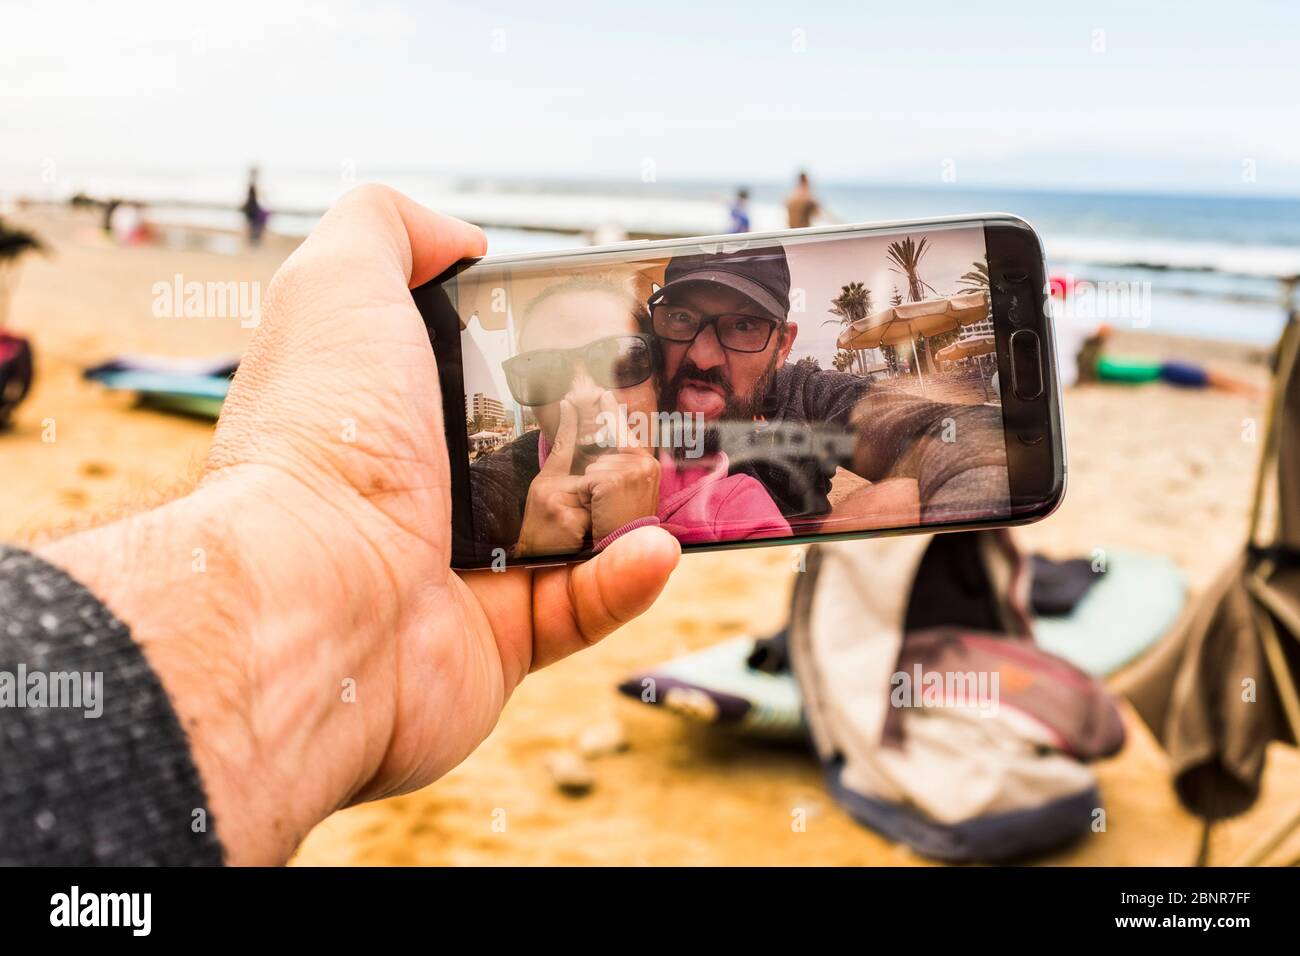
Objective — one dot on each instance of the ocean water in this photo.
(1204, 265)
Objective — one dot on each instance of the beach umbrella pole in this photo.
(916, 359)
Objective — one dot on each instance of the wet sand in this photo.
(1151, 468)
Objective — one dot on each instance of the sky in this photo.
(820, 270)
(1169, 97)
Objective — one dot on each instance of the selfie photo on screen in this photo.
(733, 393)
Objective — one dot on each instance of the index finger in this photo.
(560, 460)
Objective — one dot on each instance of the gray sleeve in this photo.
(956, 452)
(94, 765)
(832, 397)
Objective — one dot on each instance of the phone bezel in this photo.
(1036, 469)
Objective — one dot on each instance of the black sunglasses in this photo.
(735, 330)
(543, 376)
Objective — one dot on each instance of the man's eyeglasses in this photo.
(736, 331)
(543, 376)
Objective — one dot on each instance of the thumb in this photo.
(375, 233)
(576, 606)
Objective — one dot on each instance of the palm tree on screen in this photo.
(906, 255)
(977, 279)
(853, 303)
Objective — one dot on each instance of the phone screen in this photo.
(755, 391)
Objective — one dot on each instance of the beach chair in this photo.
(1220, 692)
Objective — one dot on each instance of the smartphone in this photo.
(743, 390)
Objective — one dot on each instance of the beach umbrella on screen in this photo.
(903, 323)
(968, 348)
(965, 348)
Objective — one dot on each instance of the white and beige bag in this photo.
(938, 721)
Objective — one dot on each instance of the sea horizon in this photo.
(1208, 263)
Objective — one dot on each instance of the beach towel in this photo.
(720, 686)
(1128, 371)
(188, 386)
(1099, 621)
(222, 366)
(205, 386)
(198, 406)
(1132, 371)
(1129, 606)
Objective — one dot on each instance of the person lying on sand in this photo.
(599, 465)
(288, 638)
(1096, 365)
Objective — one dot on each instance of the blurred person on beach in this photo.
(128, 224)
(1094, 362)
(110, 207)
(255, 214)
(17, 366)
(800, 206)
(247, 698)
(739, 213)
(596, 469)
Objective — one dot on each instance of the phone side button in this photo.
(1026, 366)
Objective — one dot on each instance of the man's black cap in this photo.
(762, 275)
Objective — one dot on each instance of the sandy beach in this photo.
(1151, 468)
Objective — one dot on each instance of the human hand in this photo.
(888, 503)
(622, 485)
(557, 512)
(326, 654)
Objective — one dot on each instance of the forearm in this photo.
(81, 781)
(956, 453)
(225, 631)
(961, 466)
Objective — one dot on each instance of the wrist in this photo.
(233, 594)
